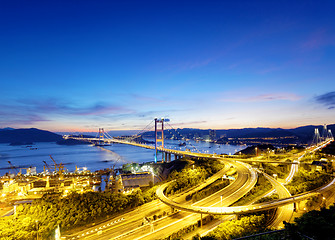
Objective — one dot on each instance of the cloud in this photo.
(56, 106)
(189, 123)
(263, 97)
(20, 118)
(327, 99)
(30, 111)
(274, 96)
(317, 40)
(99, 109)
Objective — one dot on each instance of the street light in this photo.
(153, 176)
(36, 221)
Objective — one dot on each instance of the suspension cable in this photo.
(140, 132)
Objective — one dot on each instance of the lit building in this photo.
(131, 181)
(212, 135)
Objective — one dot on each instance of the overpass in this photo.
(255, 207)
(240, 209)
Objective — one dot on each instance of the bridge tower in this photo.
(101, 135)
(317, 138)
(324, 133)
(330, 135)
(159, 135)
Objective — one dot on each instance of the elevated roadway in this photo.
(235, 209)
(283, 213)
(241, 168)
(185, 153)
(244, 182)
(131, 227)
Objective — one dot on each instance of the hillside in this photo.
(300, 135)
(28, 135)
(330, 149)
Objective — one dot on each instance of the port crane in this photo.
(46, 165)
(15, 171)
(113, 183)
(60, 167)
(59, 172)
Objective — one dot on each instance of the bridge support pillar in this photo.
(201, 221)
(169, 160)
(166, 157)
(159, 136)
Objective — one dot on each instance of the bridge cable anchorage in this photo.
(184, 137)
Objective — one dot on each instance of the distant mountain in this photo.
(300, 135)
(26, 135)
(7, 128)
(307, 132)
(255, 132)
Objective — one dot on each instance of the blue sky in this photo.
(81, 65)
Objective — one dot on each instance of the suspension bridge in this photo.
(104, 138)
(325, 136)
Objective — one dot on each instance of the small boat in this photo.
(102, 144)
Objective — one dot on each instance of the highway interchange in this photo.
(131, 225)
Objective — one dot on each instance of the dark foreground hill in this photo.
(330, 149)
(28, 135)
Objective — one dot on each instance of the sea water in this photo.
(91, 157)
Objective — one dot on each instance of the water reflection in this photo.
(92, 157)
